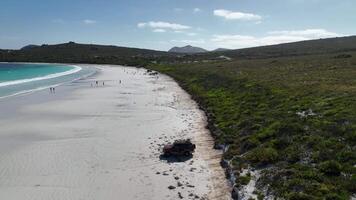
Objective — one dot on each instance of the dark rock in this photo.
(180, 195)
(191, 186)
(224, 163)
(235, 193)
(171, 187)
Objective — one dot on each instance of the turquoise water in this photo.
(24, 78)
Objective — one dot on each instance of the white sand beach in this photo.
(102, 142)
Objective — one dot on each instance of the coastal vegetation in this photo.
(290, 118)
(286, 113)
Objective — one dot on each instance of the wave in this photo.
(50, 76)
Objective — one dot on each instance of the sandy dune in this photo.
(101, 143)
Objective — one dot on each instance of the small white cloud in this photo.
(186, 33)
(89, 21)
(141, 25)
(191, 34)
(196, 10)
(201, 41)
(310, 33)
(159, 30)
(163, 26)
(273, 37)
(230, 15)
(178, 9)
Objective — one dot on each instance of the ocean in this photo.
(16, 79)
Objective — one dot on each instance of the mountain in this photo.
(72, 52)
(221, 49)
(29, 47)
(91, 53)
(309, 47)
(187, 49)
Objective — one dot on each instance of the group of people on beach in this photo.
(97, 83)
(52, 90)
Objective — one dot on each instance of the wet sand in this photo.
(103, 142)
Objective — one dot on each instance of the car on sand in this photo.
(179, 148)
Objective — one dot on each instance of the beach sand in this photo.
(102, 142)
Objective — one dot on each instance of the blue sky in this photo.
(161, 24)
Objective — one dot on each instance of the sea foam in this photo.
(50, 76)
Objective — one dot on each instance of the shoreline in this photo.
(173, 105)
(77, 69)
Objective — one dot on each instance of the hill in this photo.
(187, 50)
(221, 49)
(29, 47)
(82, 53)
(310, 47)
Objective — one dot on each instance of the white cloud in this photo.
(186, 33)
(159, 30)
(178, 9)
(191, 34)
(313, 33)
(273, 37)
(89, 21)
(201, 41)
(163, 25)
(196, 10)
(230, 15)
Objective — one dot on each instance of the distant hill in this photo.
(187, 49)
(90, 53)
(221, 49)
(302, 48)
(309, 47)
(82, 53)
(28, 47)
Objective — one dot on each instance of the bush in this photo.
(244, 180)
(263, 156)
(333, 196)
(299, 196)
(332, 168)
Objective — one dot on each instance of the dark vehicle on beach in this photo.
(179, 148)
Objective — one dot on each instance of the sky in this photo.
(162, 24)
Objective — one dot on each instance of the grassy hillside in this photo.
(291, 119)
(83, 53)
(311, 47)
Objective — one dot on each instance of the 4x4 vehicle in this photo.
(179, 148)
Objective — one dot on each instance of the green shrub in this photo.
(263, 156)
(244, 180)
(299, 196)
(330, 168)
